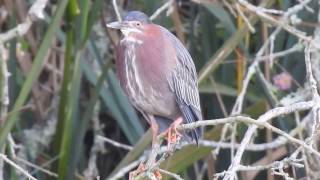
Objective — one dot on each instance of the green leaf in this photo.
(66, 163)
(223, 16)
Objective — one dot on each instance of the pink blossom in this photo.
(283, 81)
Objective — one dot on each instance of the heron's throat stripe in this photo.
(131, 39)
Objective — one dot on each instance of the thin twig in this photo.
(263, 118)
(39, 168)
(123, 171)
(173, 175)
(116, 10)
(251, 28)
(17, 167)
(315, 94)
(280, 141)
(114, 143)
(283, 22)
(161, 9)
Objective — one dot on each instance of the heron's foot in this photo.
(158, 175)
(172, 134)
(141, 168)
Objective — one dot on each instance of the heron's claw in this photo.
(136, 172)
(141, 168)
(172, 134)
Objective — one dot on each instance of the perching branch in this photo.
(262, 121)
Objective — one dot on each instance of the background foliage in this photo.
(60, 96)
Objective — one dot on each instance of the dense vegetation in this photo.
(60, 96)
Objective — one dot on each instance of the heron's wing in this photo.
(184, 84)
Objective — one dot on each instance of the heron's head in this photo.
(134, 22)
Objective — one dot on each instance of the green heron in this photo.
(158, 75)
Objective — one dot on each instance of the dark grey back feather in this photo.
(184, 84)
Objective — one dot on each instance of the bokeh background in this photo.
(60, 95)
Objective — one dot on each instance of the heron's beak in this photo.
(117, 25)
(126, 27)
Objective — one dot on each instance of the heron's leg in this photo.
(153, 154)
(155, 129)
(175, 124)
(172, 134)
(155, 142)
(153, 124)
(136, 172)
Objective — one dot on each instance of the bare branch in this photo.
(251, 28)
(36, 11)
(165, 6)
(114, 143)
(175, 176)
(17, 167)
(252, 129)
(116, 10)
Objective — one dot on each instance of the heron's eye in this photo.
(138, 23)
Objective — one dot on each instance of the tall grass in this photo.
(63, 77)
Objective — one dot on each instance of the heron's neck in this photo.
(131, 38)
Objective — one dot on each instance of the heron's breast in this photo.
(146, 80)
